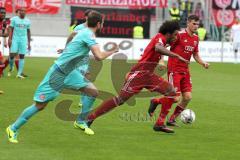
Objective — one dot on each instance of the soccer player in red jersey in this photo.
(186, 45)
(4, 24)
(3, 33)
(142, 76)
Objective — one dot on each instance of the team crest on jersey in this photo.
(42, 96)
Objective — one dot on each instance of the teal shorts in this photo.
(55, 81)
(19, 47)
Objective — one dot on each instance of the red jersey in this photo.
(4, 24)
(185, 46)
(150, 57)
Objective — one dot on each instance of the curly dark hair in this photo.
(169, 27)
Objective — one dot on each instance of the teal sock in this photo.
(21, 66)
(11, 61)
(87, 103)
(24, 117)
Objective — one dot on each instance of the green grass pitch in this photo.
(121, 134)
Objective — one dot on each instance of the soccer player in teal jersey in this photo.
(83, 102)
(63, 74)
(19, 39)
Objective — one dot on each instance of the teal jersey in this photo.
(20, 27)
(79, 27)
(76, 53)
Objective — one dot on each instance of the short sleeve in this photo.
(196, 48)
(12, 22)
(90, 39)
(160, 40)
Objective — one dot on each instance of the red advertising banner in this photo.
(7, 4)
(120, 3)
(33, 6)
(225, 12)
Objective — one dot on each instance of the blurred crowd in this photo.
(181, 9)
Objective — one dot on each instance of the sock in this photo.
(87, 103)
(1, 70)
(166, 105)
(105, 107)
(11, 63)
(176, 113)
(21, 66)
(24, 117)
(17, 63)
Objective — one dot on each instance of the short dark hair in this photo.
(87, 12)
(93, 18)
(193, 17)
(169, 27)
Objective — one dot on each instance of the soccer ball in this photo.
(187, 116)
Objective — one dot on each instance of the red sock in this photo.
(17, 63)
(166, 105)
(105, 107)
(1, 70)
(176, 113)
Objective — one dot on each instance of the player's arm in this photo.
(29, 39)
(199, 60)
(101, 55)
(10, 29)
(162, 50)
(69, 39)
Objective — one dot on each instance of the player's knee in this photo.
(95, 93)
(187, 98)
(176, 99)
(40, 106)
(171, 92)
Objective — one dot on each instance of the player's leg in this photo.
(186, 98)
(2, 65)
(167, 101)
(11, 62)
(186, 89)
(42, 96)
(163, 87)
(84, 96)
(12, 130)
(132, 85)
(13, 51)
(21, 66)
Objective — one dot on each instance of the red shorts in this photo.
(138, 80)
(180, 81)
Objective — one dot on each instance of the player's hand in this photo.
(206, 65)
(59, 51)
(115, 50)
(184, 60)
